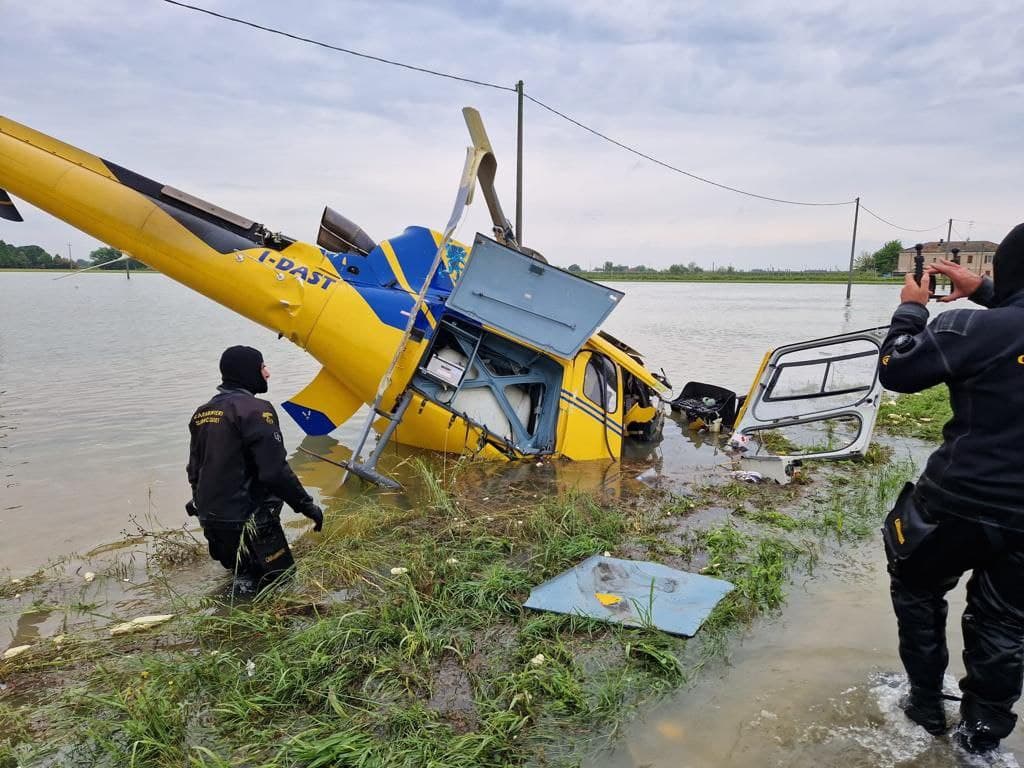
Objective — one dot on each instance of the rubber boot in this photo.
(975, 738)
(926, 710)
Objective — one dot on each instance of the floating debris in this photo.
(140, 623)
(17, 650)
(89, 577)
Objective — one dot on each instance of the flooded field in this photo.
(93, 443)
(817, 686)
(99, 375)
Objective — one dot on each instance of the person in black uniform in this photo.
(240, 477)
(966, 512)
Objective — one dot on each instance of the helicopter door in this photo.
(530, 301)
(815, 399)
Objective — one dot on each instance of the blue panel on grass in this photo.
(620, 591)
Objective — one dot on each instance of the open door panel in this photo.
(816, 399)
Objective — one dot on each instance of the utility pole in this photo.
(70, 263)
(949, 233)
(519, 165)
(853, 245)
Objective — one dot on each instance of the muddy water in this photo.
(816, 686)
(98, 376)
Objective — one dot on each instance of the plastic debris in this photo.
(89, 577)
(452, 561)
(739, 442)
(17, 650)
(747, 476)
(399, 571)
(648, 594)
(250, 668)
(538, 660)
(140, 623)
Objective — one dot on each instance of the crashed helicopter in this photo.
(485, 350)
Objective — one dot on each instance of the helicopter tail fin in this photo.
(324, 405)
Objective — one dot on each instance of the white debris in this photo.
(140, 623)
(766, 715)
(452, 561)
(17, 650)
(250, 668)
(399, 571)
(537, 660)
(747, 476)
(607, 553)
(89, 577)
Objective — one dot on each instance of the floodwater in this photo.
(99, 375)
(815, 686)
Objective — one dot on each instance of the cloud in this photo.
(916, 109)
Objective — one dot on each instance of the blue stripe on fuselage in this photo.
(591, 411)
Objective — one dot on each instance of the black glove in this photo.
(190, 507)
(314, 513)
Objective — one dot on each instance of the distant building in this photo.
(975, 255)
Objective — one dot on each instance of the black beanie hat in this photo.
(1008, 265)
(243, 367)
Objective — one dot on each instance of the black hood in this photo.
(242, 367)
(1008, 265)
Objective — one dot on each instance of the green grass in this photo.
(298, 678)
(921, 415)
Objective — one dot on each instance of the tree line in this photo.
(36, 257)
(881, 262)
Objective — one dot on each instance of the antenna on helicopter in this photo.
(125, 256)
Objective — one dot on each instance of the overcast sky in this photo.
(917, 107)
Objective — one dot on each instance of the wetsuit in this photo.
(239, 474)
(969, 501)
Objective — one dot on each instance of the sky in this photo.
(917, 107)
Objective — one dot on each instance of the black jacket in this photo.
(978, 471)
(237, 460)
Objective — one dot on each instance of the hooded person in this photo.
(239, 474)
(966, 511)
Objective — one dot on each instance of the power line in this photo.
(338, 48)
(552, 110)
(670, 167)
(897, 226)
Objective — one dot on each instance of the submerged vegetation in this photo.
(401, 640)
(920, 415)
